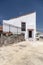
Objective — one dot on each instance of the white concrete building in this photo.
(26, 24)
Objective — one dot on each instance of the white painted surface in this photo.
(30, 20)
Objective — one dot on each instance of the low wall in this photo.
(6, 40)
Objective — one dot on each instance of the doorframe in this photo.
(32, 32)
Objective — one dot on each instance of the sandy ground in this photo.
(23, 53)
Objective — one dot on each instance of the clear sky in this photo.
(13, 8)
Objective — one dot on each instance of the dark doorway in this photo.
(30, 34)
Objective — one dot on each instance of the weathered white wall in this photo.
(31, 24)
(30, 20)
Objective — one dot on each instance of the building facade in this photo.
(24, 24)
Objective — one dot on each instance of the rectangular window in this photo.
(23, 26)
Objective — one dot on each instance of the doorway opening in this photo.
(30, 34)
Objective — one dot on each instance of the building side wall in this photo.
(31, 24)
(30, 21)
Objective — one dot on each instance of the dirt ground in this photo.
(23, 53)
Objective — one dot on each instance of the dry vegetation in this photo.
(24, 53)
